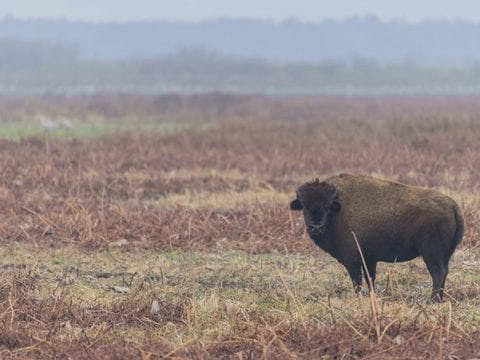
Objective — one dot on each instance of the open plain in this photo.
(159, 227)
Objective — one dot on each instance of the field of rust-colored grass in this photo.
(164, 230)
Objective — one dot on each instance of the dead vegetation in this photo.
(64, 303)
(96, 232)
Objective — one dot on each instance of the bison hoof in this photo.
(437, 297)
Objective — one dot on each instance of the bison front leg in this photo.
(372, 272)
(355, 272)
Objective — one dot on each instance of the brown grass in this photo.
(198, 221)
(64, 303)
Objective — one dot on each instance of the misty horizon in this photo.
(192, 10)
(289, 56)
(437, 43)
(292, 19)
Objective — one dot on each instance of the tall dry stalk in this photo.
(373, 297)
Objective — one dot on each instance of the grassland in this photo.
(78, 130)
(142, 242)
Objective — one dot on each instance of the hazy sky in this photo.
(307, 10)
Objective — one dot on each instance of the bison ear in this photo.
(336, 206)
(296, 205)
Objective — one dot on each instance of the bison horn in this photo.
(333, 189)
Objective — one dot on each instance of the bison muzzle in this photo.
(393, 222)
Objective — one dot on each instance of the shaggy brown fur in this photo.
(393, 223)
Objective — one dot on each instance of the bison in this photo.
(393, 222)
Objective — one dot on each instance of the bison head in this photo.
(317, 200)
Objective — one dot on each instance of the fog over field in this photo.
(362, 55)
(368, 38)
(150, 153)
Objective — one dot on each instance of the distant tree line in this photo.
(35, 64)
(442, 43)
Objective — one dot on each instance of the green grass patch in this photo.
(21, 130)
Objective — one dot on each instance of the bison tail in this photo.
(460, 226)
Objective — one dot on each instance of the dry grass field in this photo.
(163, 229)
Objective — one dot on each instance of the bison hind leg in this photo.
(438, 269)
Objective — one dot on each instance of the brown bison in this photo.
(393, 222)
